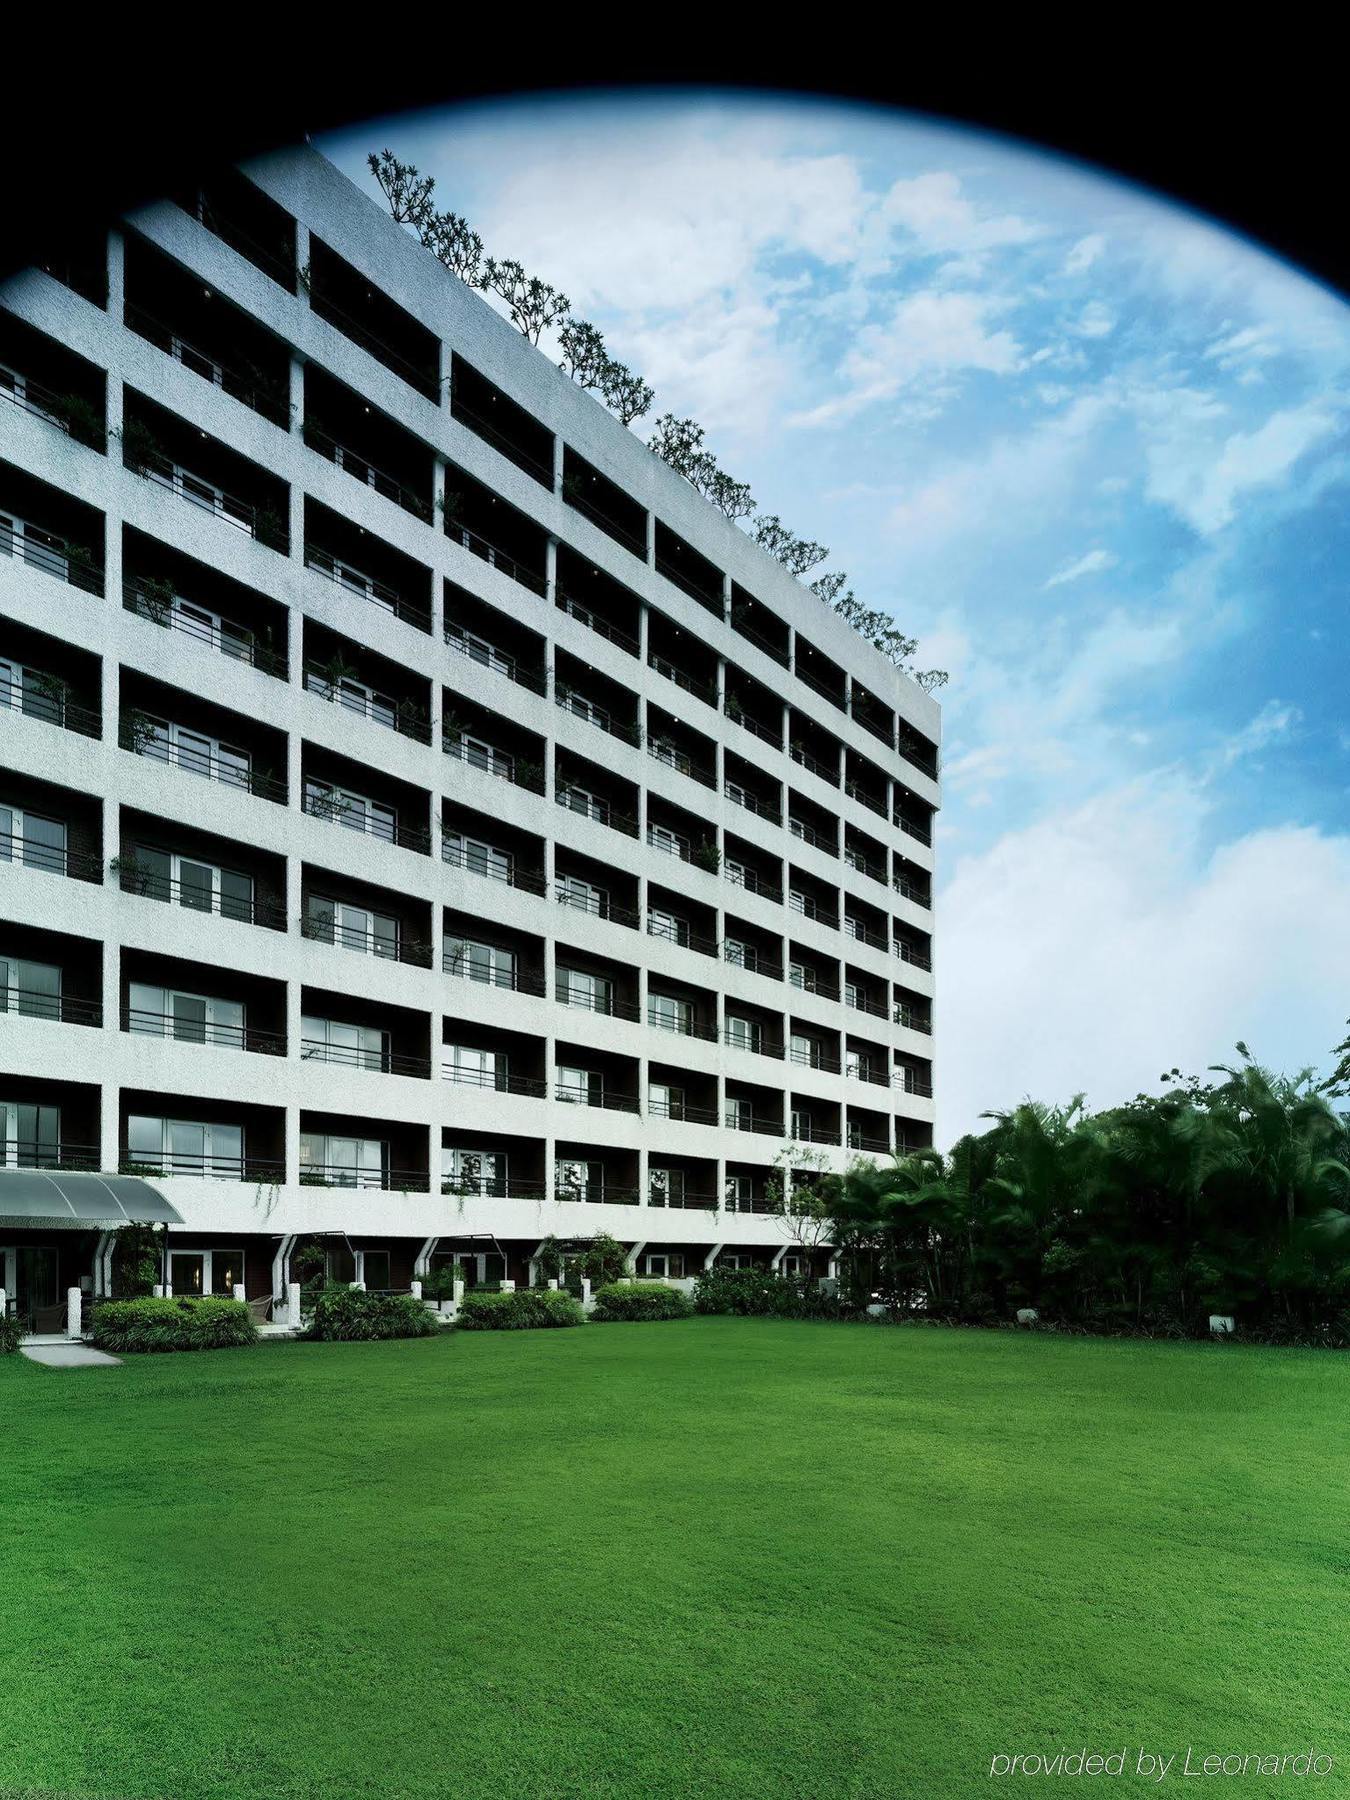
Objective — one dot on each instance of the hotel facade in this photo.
(427, 826)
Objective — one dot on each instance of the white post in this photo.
(456, 1295)
(293, 1305)
(415, 1288)
(508, 1287)
(357, 1286)
(4, 1302)
(74, 1298)
(237, 1292)
(158, 1290)
(552, 1284)
(586, 1302)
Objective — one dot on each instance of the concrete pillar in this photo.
(4, 1302)
(586, 1301)
(159, 1290)
(552, 1284)
(508, 1287)
(293, 1305)
(551, 567)
(74, 1313)
(415, 1288)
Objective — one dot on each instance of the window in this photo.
(186, 1146)
(573, 891)
(222, 634)
(801, 1124)
(193, 1018)
(736, 1259)
(665, 1186)
(669, 754)
(745, 1034)
(664, 1265)
(327, 801)
(354, 927)
(356, 696)
(480, 962)
(736, 872)
(375, 1270)
(803, 903)
(333, 1161)
(482, 755)
(667, 1013)
(580, 1087)
(739, 1193)
(334, 1040)
(793, 1264)
(192, 750)
(479, 650)
(667, 925)
(858, 1064)
(30, 988)
(475, 1067)
(474, 1171)
(578, 987)
(664, 1101)
(581, 800)
(740, 1114)
(854, 995)
(670, 843)
(33, 544)
(481, 857)
(30, 838)
(30, 1135)
(165, 875)
(584, 708)
(32, 692)
(578, 1180)
(805, 1050)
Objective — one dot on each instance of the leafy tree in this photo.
(407, 192)
(626, 394)
(584, 356)
(678, 442)
(1339, 1081)
(532, 303)
(797, 555)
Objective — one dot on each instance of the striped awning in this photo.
(56, 1197)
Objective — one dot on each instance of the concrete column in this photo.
(109, 1095)
(551, 567)
(293, 1305)
(508, 1287)
(651, 540)
(415, 1288)
(295, 497)
(559, 451)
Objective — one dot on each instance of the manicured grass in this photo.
(716, 1556)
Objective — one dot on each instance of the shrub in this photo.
(351, 1315)
(528, 1309)
(756, 1293)
(10, 1334)
(439, 1283)
(177, 1323)
(641, 1300)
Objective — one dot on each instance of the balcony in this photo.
(46, 698)
(167, 742)
(478, 648)
(49, 829)
(200, 471)
(689, 571)
(203, 888)
(355, 813)
(46, 529)
(146, 1023)
(157, 602)
(501, 422)
(605, 504)
(229, 206)
(342, 296)
(205, 333)
(380, 593)
(75, 407)
(41, 1003)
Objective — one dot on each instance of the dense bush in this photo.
(439, 1283)
(528, 1309)
(641, 1300)
(177, 1323)
(351, 1315)
(10, 1334)
(756, 1293)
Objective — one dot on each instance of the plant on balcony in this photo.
(269, 527)
(326, 806)
(137, 731)
(82, 420)
(732, 707)
(411, 719)
(450, 505)
(154, 597)
(527, 773)
(134, 876)
(80, 557)
(141, 450)
(52, 688)
(707, 856)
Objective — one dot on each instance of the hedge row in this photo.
(351, 1315)
(640, 1300)
(525, 1310)
(176, 1323)
(10, 1334)
(755, 1293)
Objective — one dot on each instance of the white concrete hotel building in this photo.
(424, 820)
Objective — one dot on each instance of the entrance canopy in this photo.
(53, 1197)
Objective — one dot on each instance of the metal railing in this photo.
(63, 1009)
(352, 1056)
(873, 871)
(749, 958)
(379, 593)
(740, 796)
(911, 953)
(805, 760)
(736, 1120)
(757, 1045)
(134, 878)
(807, 834)
(596, 1193)
(496, 558)
(595, 715)
(517, 980)
(705, 691)
(835, 695)
(815, 1059)
(338, 811)
(606, 1099)
(631, 541)
(616, 821)
(254, 390)
(66, 411)
(912, 828)
(53, 859)
(861, 1140)
(504, 765)
(352, 1175)
(524, 879)
(422, 380)
(600, 906)
(681, 1112)
(921, 896)
(689, 584)
(824, 990)
(147, 605)
(596, 622)
(205, 763)
(352, 463)
(494, 1187)
(863, 934)
(686, 939)
(34, 1153)
(919, 754)
(500, 440)
(210, 1167)
(912, 1020)
(280, 269)
(608, 1004)
(67, 561)
(255, 521)
(912, 1083)
(143, 1023)
(747, 722)
(689, 1200)
(671, 757)
(856, 791)
(869, 722)
(805, 1132)
(495, 1081)
(754, 883)
(457, 639)
(681, 1026)
(403, 716)
(864, 1003)
(51, 705)
(403, 948)
(743, 628)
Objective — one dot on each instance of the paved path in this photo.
(69, 1356)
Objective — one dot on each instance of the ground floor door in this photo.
(30, 1277)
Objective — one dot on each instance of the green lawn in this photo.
(712, 1557)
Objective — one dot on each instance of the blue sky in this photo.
(1092, 450)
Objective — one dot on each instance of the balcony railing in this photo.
(70, 413)
(671, 757)
(912, 953)
(501, 441)
(915, 751)
(602, 812)
(328, 309)
(505, 765)
(608, 1004)
(518, 980)
(604, 521)
(355, 581)
(496, 558)
(525, 879)
(62, 1009)
(352, 1056)
(874, 871)
(405, 948)
(137, 878)
(354, 1175)
(704, 691)
(816, 984)
(862, 1140)
(743, 628)
(681, 1112)
(808, 762)
(606, 1098)
(204, 763)
(856, 791)
(764, 1124)
(281, 270)
(827, 690)
(681, 935)
(239, 644)
(259, 522)
(50, 704)
(864, 934)
(689, 584)
(252, 387)
(757, 1045)
(208, 1167)
(748, 957)
(807, 834)
(494, 1187)
(458, 639)
(754, 883)
(913, 828)
(912, 1083)
(921, 896)
(338, 811)
(804, 1131)
(137, 1020)
(597, 623)
(748, 722)
(53, 859)
(687, 1201)
(863, 1002)
(762, 809)
(581, 708)
(67, 561)
(815, 1059)
(680, 1024)
(597, 1193)
(912, 1020)
(32, 1153)
(403, 716)
(352, 463)
(879, 728)
(600, 906)
(495, 1081)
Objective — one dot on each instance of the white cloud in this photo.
(1097, 948)
(1093, 563)
(1203, 476)
(1084, 253)
(1096, 320)
(1274, 721)
(939, 219)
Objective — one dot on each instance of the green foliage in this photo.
(11, 1334)
(179, 1323)
(528, 1309)
(135, 1259)
(351, 1315)
(623, 1300)
(1224, 1197)
(439, 1282)
(760, 1294)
